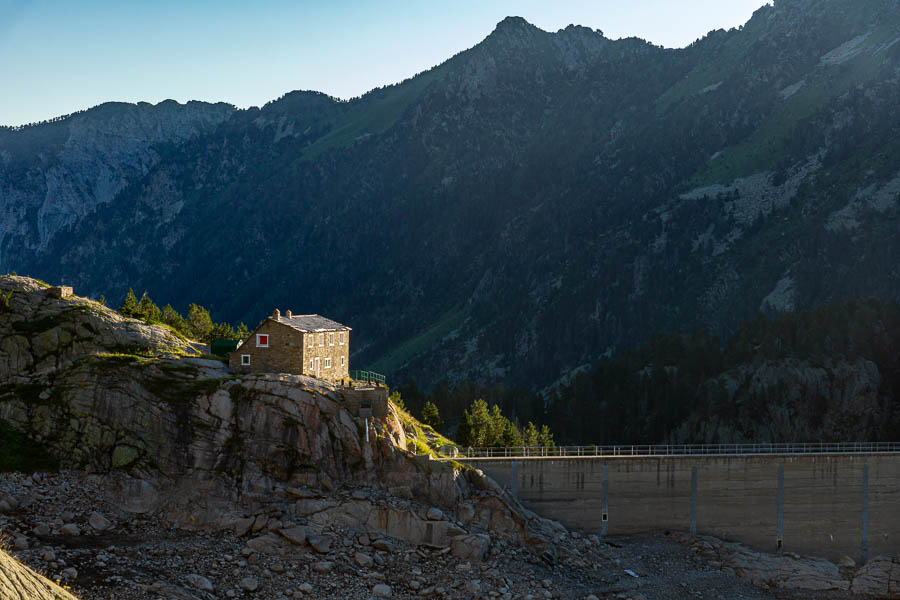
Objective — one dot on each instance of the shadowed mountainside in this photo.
(530, 205)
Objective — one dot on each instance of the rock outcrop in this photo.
(18, 582)
(878, 578)
(180, 436)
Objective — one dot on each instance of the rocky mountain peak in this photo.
(514, 30)
(513, 23)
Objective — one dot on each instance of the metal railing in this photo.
(680, 450)
(369, 376)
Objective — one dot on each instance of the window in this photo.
(311, 367)
(310, 340)
(327, 362)
(321, 339)
(341, 338)
(245, 360)
(342, 361)
(262, 340)
(331, 339)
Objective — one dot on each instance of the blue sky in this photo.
(60, 56)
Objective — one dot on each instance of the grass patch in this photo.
(371, 115)
(121, 357)
(421, 438)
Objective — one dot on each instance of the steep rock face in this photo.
(83, 162)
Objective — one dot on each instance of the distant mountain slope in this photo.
(531, 204)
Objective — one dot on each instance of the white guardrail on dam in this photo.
(467, 453)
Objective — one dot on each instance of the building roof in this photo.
(310, 323)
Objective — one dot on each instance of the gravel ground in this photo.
(63, 526)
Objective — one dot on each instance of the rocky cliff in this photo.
(76, 166)
(178, 435)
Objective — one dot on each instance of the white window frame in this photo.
(331, 339)
(312, 365)
(245, 360)
(321, 339)
(341, 338)
(268, 340)
(311, 340)
(343, 361)
(327, 362)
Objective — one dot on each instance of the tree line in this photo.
(642, 395)
(198, 324)
(482, 425)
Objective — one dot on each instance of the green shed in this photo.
(223, 347)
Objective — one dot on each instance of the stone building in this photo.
(298, 344)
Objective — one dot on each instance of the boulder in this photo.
(99, 522)
(474, 546)
(448, 450)
(249, 584)
(363, 560)
(320, 543)
(242, 526)
(878, 577)
(269, 543)
(199, 582)
(324, 566)
(295, 535)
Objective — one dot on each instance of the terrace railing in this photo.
(680, 450)
(368, 376)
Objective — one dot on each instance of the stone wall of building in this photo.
(329, 348)
(283, 355)
(366, 402)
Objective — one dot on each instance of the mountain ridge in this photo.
(523, 208)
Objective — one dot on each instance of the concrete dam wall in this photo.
(819, 505)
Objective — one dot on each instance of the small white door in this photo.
(317, 367)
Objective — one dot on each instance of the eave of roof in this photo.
(311, 323)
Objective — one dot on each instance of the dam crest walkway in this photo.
(677, 450)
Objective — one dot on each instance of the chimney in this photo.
(276, 314)
(288, 314)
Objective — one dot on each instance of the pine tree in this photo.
(464, 430)
(481, 424)
(129, 306)
(510, 436)
(531, 437)
(431, 416)
(546, 438)
(200, 322)
(147, 310)
(222, 331)
(173, 319)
